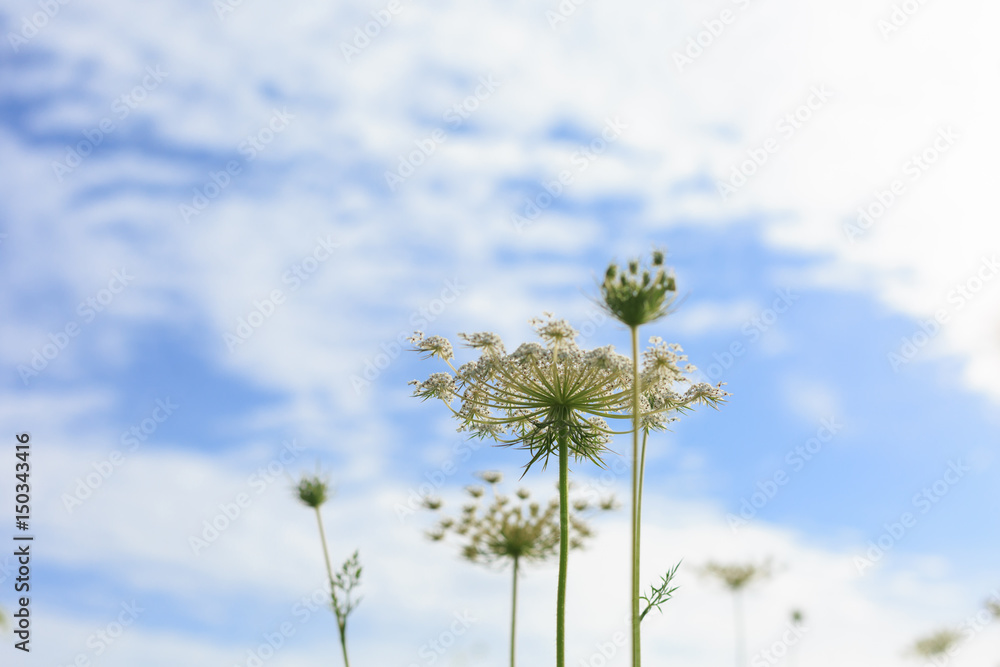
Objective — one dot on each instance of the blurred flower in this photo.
(313, 491)
(936, 644)
(636, 297)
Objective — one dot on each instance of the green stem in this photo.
(341, 622)
(638, 505)
(513, 614)
(342, 625)
(563, 548)
(636, 472)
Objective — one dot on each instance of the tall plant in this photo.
(313, 492)
(515, 532)
(550, 400)
(736, 577)
(635, 297)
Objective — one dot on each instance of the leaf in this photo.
(660, 594)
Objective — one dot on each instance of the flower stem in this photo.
(738, 625)
(341, 621)
(563, 548)
(638, 506)
(513, 614)
(636, 476)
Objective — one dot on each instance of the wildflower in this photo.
(491, 477)
(937, 644)
(536, 396)
(736, 577)
(313, 492)
(635, 298)
(555, 398)
(515, 533)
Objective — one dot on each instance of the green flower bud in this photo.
(312, 491)
(636, 299)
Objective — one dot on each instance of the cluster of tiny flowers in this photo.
(438, 385)
(489, 343)
(662, 362)
(606, 359)
(538, 393)
(435, 346)
(523, 530)
(552, 331)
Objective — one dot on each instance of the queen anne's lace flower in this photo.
(662, 362)
(489, 343)
(554, 332)
(605, 358)
(521, 530)
(435, 346)
(538, 395)
(438, 385)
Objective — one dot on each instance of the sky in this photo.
(220, 221)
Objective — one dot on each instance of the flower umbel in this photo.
(513, 531)
(937, 644)
(536, 395)
(556, 398)
(506, 529)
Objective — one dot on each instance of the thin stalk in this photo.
(636, 467)
(563, 548)
(342, 626)
(341, 622)
(638, 499)
(738, 625)
(513, 614)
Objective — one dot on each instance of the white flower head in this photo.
(661, 362)
(438, 385)
(606, 359)
(489, 343)
(554, 332)
(435, 346)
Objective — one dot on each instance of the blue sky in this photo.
(239, 211)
